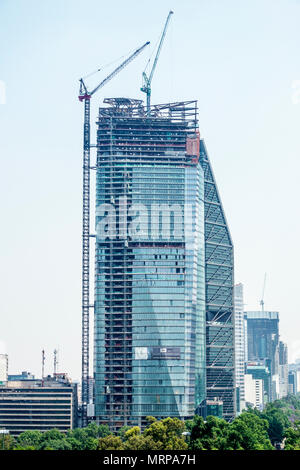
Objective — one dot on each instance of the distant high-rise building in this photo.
(219, 278)
(292, 378)
(263, 343)
(3, 367)
(283, 370)
(149, 353)
(239, 341)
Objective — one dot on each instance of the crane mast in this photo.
(262, 303)
(85, 95)
(146, 88)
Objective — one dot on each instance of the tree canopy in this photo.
(251, 430)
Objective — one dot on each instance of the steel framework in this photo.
(219, 265)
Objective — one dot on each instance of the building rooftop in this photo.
(59, 380)
(132, 108)
(259, 315)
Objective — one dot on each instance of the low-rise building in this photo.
(38, 405)
(23, 376)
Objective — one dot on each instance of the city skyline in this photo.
(41, 250)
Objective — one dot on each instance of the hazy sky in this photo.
(239, 58)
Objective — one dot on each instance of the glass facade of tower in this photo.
(263, 337)
(219, 278)
(263, 344)
(149, 348)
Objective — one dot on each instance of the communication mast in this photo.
(43, 366)
(55, 362)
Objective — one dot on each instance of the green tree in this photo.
(167, 433)
(135, 440)
(278, 422)
(110, 443)
(75, 443)
(208, 435)
(292, 437)
(94, 430)
(122, 431)
(248, 432)
(52, 434)
(7, 442)
(90, 443)
(79, 434)
(53, 439)
(29, 439)
(87, 438)
(56, 444)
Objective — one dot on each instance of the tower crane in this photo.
(146, 88)
(85, 96)
(263, 293)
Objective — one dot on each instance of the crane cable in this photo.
(108, 64)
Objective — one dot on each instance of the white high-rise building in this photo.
(283, 370)
(239, 341)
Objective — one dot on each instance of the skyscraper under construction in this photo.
(164, 268)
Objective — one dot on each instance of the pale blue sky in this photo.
(239, 58)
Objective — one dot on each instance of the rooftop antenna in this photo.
(263, 293)
(43, 366)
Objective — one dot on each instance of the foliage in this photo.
(134, 440)
(292, 437)
(110, 442)
(87, 438)
(246, 432)
(208, 435)
(122, 431)
(29, 439)
(167, 433)
(278, 421)
(7, 442)
(251, 430)
(55, 444)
